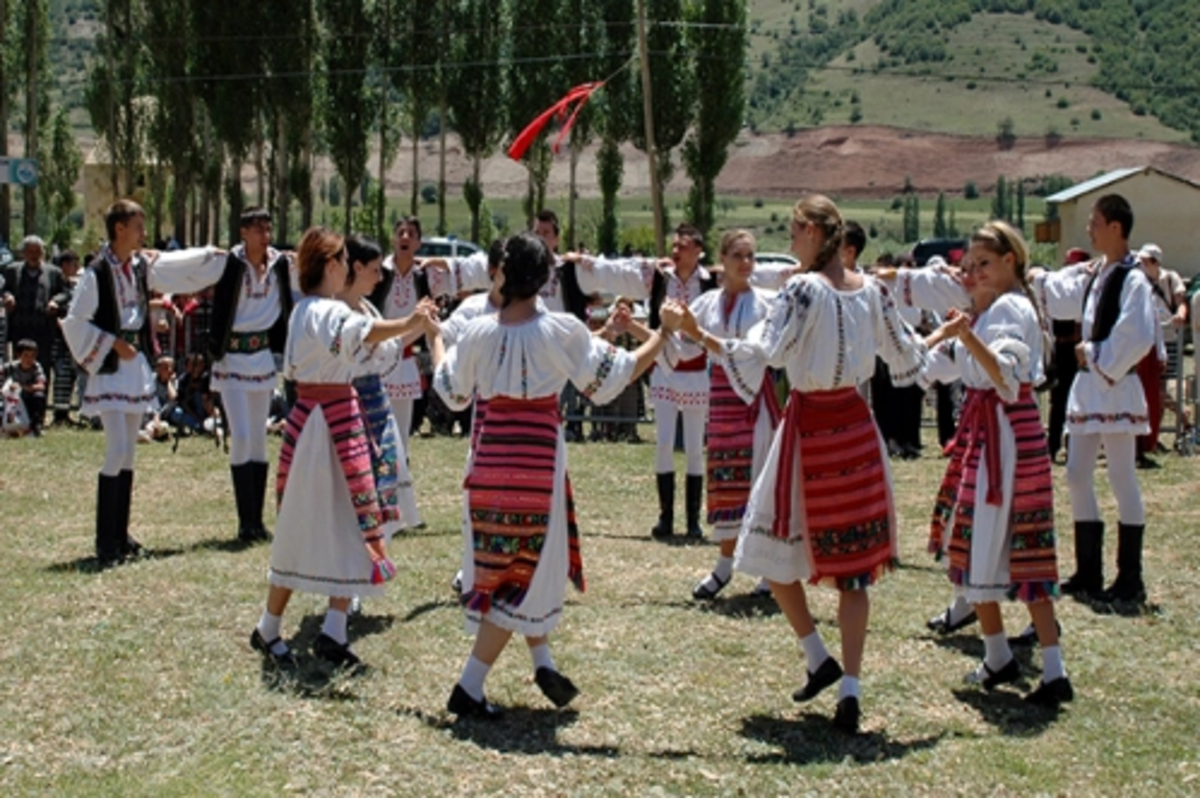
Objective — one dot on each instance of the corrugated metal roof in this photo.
(1089, 186)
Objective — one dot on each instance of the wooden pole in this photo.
(648, 113)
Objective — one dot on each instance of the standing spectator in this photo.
(66, 371)
(33, 295)
(1066, 338)
(27, 373)
(1171, 309)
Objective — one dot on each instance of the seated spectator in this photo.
(27, 373)
(154, 424)
(195, 408)
(277, 417)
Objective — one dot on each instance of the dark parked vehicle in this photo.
(951, 249)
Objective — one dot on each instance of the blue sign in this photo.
(19, 171)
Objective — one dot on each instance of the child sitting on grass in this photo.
(27, 373)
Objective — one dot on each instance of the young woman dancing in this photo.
(821, 511)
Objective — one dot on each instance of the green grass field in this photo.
(140, 681)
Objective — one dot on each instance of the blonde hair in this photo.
(1002, 238)
(731, 237)
(819, 210)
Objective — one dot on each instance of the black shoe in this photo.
(464, 706)
(1146, 463)
(132, 549)
(991, 679)
(703, 592)
(845, 719)
(1051, 694)
(693, 498)
(829, 672)
(250, 534)
(941, 623)
(337, 654)
(1124, 591)
(558, 688)
(665, 484)
(285, 660)
(662, 529)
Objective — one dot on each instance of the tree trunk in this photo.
(179, 199)
(284, 177)
(5, 195)
(441, 228)
(416, 171)
(33, 44)
(349, 204)
(572, 237)
(381, 205)
(476, 174)
(306, 210)
(260, 169)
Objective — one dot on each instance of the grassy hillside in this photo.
(1060, 68)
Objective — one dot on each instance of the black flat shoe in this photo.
(845, 719)
(558, 688)
(991, 679)
(464, 706)
(1051, 694)
(829, 672)
(703, 592)
(337, 654)
(941, 623)
(286, 660)
(1028, 636)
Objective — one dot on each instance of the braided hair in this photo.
(819, 210)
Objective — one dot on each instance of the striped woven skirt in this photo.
(516, 530)
(330, 536)
(387, 460)
(738, 437)
(996, 502)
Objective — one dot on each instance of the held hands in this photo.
(1081, 355)
(678, 317)
(425, 316)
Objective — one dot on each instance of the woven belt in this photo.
(694, 364)
(131, 337)
(248, 343)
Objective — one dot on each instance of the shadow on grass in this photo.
(931, 567)
(231, 545)
(744, 605)
(91, 565)
(314, 677)
(972, 647)
(522, 730)
(1008, 712)
(449, 603)
(812, 738)
(1125, 609)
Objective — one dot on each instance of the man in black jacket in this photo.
(33, 295)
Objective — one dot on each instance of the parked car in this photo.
(439, 247)
(951, 249)
(775, 257)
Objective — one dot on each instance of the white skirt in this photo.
(318, 547)
(130, 389)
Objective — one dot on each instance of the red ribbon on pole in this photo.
(577, 96)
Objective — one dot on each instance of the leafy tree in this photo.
(912, 217)
(289, 103)
(34, 24)
(57, 177)
(672, 88)
(615, 117)
(416, 53)
(719, 43)
(1000, 208)
(6, 88)
(114, 84)
(345, 108)
(939, 216)
(476, 93)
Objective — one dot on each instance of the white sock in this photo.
(1052, 664)
(335, 625)
(473, 676)
(960, 609)
(724, 568)
(814, 650)
(996, 651)
(268, 627)
(541, 657)
(849, 687)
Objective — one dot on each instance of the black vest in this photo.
(228, 292)
(379, 296)
(108, 313)
(575, 301)
(658, 294)
(1108, 308)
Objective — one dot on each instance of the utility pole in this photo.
(648, 113)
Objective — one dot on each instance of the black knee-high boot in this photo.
(259, 497)
(108, 517)
(243, 495)
(129, 546)
(1089, 559)
(666, 506)
(694, 499)
(1128, 585)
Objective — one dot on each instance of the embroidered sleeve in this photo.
(1061, 292)
(441, 283)
(629, 277)
(344, 333)
(943, 365)
(471, 273)
(903, 350)
(772, 342)
(454, 379)
(930, 289)
(772, 276)
(597, 368)
(88, 343)
(186, 271)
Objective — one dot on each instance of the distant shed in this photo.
(1166, 211)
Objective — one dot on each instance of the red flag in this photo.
(578, 96)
